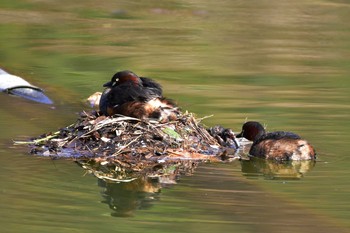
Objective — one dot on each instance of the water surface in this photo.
(284, 63)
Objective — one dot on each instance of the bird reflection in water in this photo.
(125, 198)
(270, 169)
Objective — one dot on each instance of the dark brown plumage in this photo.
(139, 97)
(277, 145)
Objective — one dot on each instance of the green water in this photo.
(284, 63)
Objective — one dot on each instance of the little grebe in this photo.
(277, 145)
(139, 97)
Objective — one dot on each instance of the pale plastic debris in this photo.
(16, 85)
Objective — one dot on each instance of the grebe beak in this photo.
(240, 135)
(109, 84)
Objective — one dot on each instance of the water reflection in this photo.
(125, 198)
(286, 170)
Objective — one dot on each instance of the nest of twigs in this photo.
(121, 148)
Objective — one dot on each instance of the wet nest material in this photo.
(121, 148)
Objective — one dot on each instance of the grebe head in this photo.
(123, 77)
(251, 130)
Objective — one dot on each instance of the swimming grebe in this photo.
(277, 145)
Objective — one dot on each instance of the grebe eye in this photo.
(115, 82)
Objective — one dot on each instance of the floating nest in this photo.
(122, 149)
